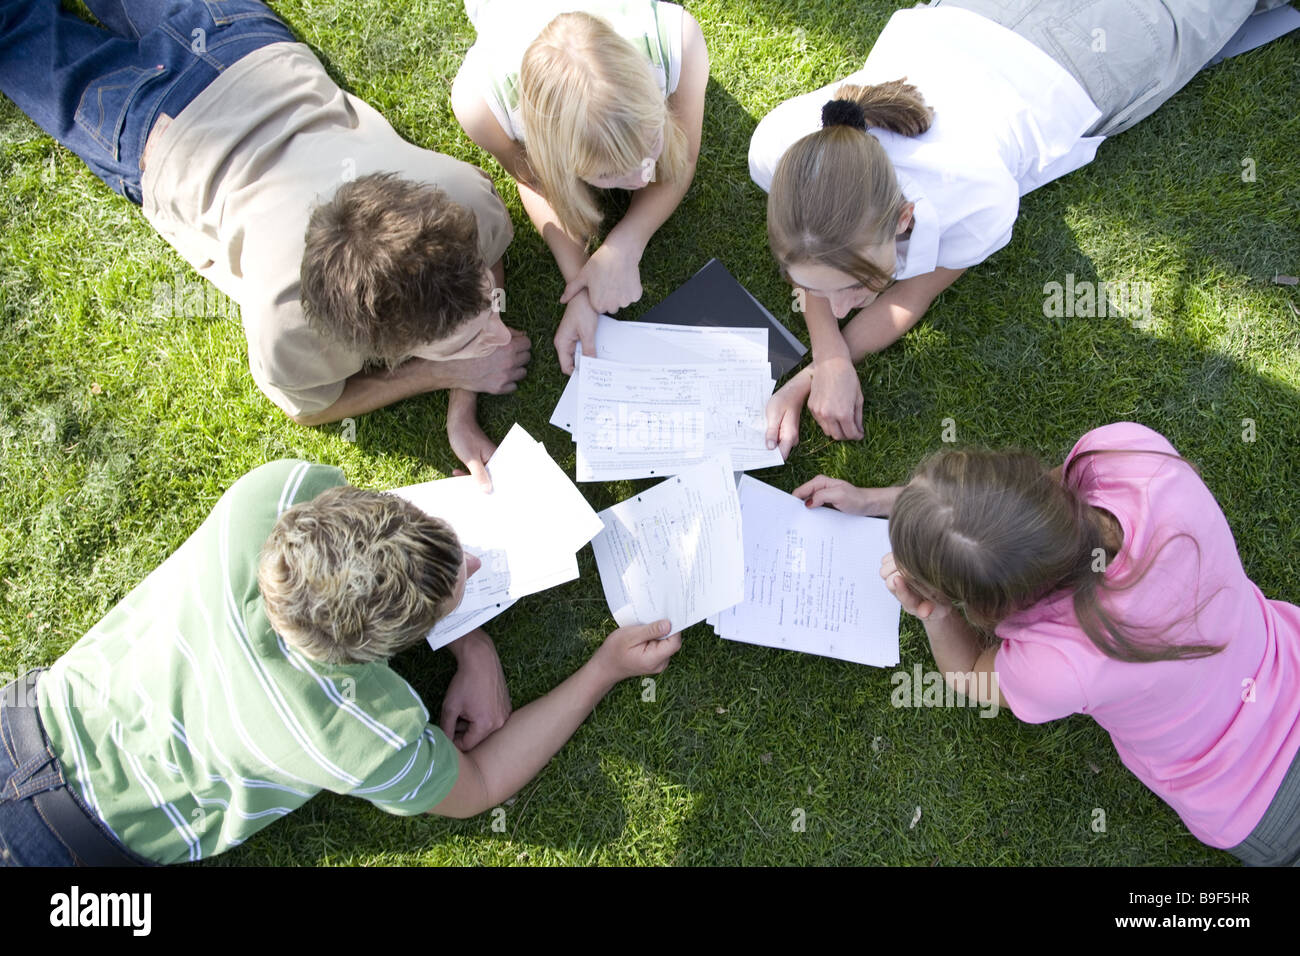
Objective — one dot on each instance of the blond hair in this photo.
(834, 191)
(354, 576)
(591, 108)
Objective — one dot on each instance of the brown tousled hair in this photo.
(995, 533)
(835, 192)
(390, 264)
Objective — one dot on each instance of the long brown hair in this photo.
(834, 191)
(996, 532)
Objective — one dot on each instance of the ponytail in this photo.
(834, 193)
(896, 106)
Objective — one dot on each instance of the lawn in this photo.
(121, 424)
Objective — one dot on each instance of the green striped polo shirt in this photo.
(187, 724)
(506, 28)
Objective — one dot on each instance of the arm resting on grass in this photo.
(367, 391)
(957, 648)
(500, 765)
(875, 327)
(894, 311)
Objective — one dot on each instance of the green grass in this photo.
(119, 430)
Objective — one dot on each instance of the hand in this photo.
(496, 373)
(836, 398)
(838, 494)
(638, 649)
(578, 325)
(473, 447)
(477, 702)
(612, 278)
(783, 410)
(922, 608)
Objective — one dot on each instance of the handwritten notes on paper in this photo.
(674, 551)
(659, 398)
(812, 581)
(644, 421)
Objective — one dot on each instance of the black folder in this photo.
(713, 298)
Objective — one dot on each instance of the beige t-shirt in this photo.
(233, 181)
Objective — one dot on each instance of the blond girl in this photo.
(574, 98)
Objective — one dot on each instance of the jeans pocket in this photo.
(229, 11)
(104, 105)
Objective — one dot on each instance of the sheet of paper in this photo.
(647, 343)
(459, 623)
(645, 421)
(713, 298)
(1259, 28)
(525, 532)
(812, 581)
(674, 551)
(539, 494)
(529, 564)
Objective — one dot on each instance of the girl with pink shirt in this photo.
(1111, 586)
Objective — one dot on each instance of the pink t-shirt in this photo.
(1212, 737)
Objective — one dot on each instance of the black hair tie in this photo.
(844, 113)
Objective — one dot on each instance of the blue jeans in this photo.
(98, 91)
(30, 771)
(25, 840)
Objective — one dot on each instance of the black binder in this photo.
(713, 298)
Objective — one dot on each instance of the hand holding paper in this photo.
(526, 532)
(675, 550)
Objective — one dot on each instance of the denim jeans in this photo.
(98, 91)
(25, 840)
(29, 769)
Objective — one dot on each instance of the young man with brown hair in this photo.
(229, 133)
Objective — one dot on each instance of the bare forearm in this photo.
(880, 501)
(894, 311)
(367, 391)
(516, 753)
(475, 641)
(461, 404)
(953, 642)
(650, 209)
(570, 254)
(879, 326)
(823, 329)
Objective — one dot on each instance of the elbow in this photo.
(312, 419)
(302, 418)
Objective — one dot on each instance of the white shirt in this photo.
(1007, 119)
(506, 28)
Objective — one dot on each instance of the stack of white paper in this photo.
(527, 532)
(674, 551)
(660, 398)
(812, 581)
